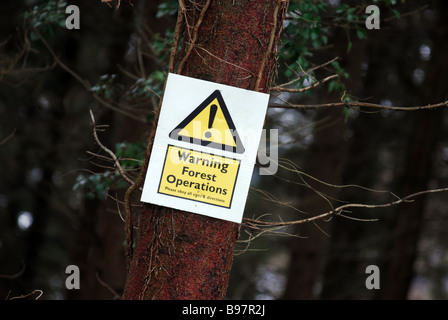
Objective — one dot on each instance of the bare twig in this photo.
(15, 275)
(194, 37)
(323, 65)
(85, 84)
(222, 60)
(270, 46)
(315, 85)
(309, 71)
(402, 15)
(259, 225)
(118, 4)
(40, 293)
(176, 38)
(127, 198)
(112, 155)
(107, 2)
(9, 137)
(140, 58)
(356, 104)
(108, 287)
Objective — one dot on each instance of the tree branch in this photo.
(15, 275)
(263, 226)
(195, 36)
(356, 104)
(270, 46)
(176, 38)
(9, 137)
(112, 155)
(85, 83)
(307, 72)
(315, 85)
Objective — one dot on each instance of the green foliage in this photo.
(106, 86)
(130, 156)
(96, 185)
(161, 46)
(167, 8)
(156, 81)
(338, 85)
(139, 93)
(309, 26)
(47, 17)
(303, 31)
(143, 88)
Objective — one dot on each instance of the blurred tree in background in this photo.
(61, 195)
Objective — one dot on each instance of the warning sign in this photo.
(199, 176)
(210, 125)
(205, 147)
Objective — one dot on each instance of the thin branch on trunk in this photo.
(356, 104)
(108, 151)
(313, 86)
(308, 72)
(263, 226)
(194, 37)
(270, 47)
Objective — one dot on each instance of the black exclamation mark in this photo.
(211, 119)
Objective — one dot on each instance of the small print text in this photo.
(230, 309)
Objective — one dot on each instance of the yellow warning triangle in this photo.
(211, 125)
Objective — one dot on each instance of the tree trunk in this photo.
(410, 216)
(419, 161)
(307, 254)
(180, 255)
(325, 162)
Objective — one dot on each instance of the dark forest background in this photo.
(61, 197)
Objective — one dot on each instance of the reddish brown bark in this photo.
(179, 255)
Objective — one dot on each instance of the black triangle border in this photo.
(174, 134)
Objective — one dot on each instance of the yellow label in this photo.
(199, 176)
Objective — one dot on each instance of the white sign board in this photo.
(205, 148)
